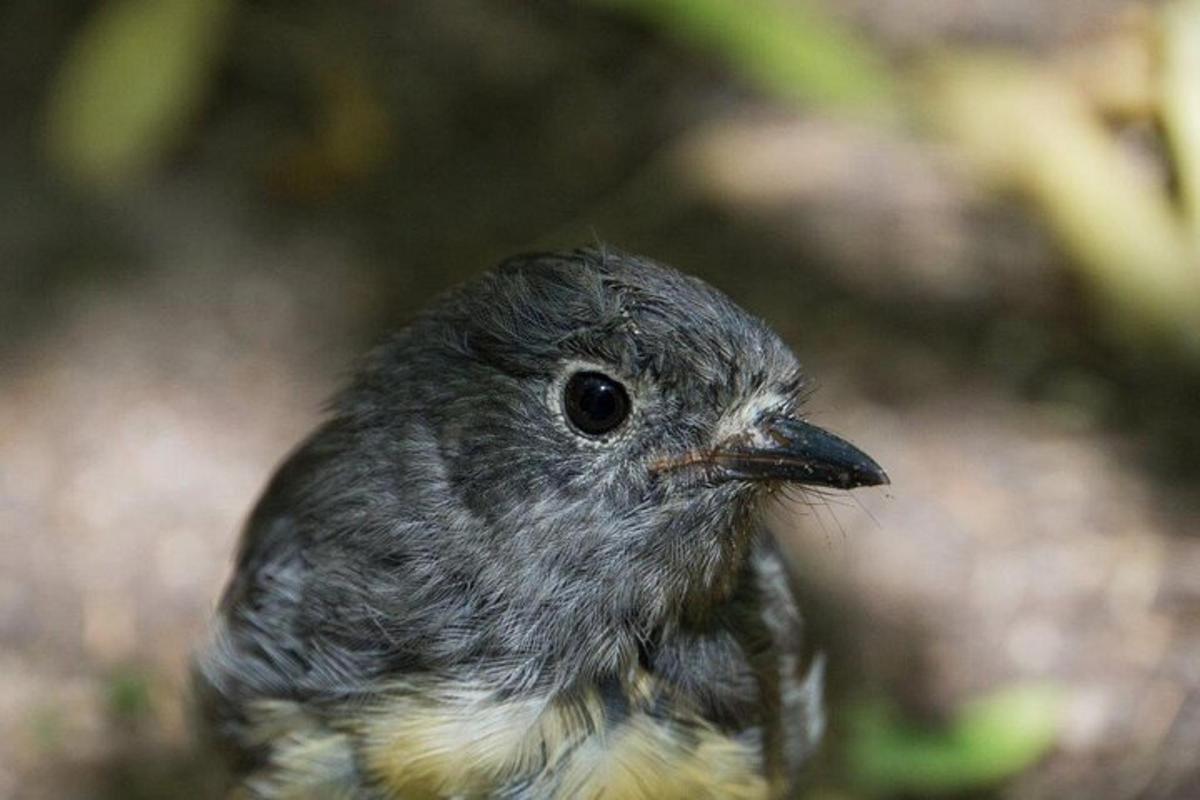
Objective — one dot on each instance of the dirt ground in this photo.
(162, 348)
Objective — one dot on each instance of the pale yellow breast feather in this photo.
(461, 741)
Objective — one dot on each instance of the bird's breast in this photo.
(620, 741)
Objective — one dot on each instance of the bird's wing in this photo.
(801, 721)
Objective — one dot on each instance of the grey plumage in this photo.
(448, 525)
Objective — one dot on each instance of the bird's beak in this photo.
(788, 449)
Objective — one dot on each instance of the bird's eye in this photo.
(595, 403)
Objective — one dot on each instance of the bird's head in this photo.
(592, 434)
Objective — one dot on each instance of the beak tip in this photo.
(863, 475)
(878, 477)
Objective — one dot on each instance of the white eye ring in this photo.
(557, 400)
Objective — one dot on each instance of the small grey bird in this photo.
(523, 558)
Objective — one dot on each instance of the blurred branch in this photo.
(133, 79)
(1181, 105)
(1029, 130)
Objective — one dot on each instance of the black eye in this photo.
(595, 403)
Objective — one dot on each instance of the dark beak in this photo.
(795, 451)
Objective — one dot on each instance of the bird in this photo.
(524, 556)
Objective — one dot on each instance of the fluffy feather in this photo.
(448, 592)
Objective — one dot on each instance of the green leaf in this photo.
(992, 739)
(129, 695)
(130, 84)
(791, 50)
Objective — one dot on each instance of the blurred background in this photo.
(978, 223)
